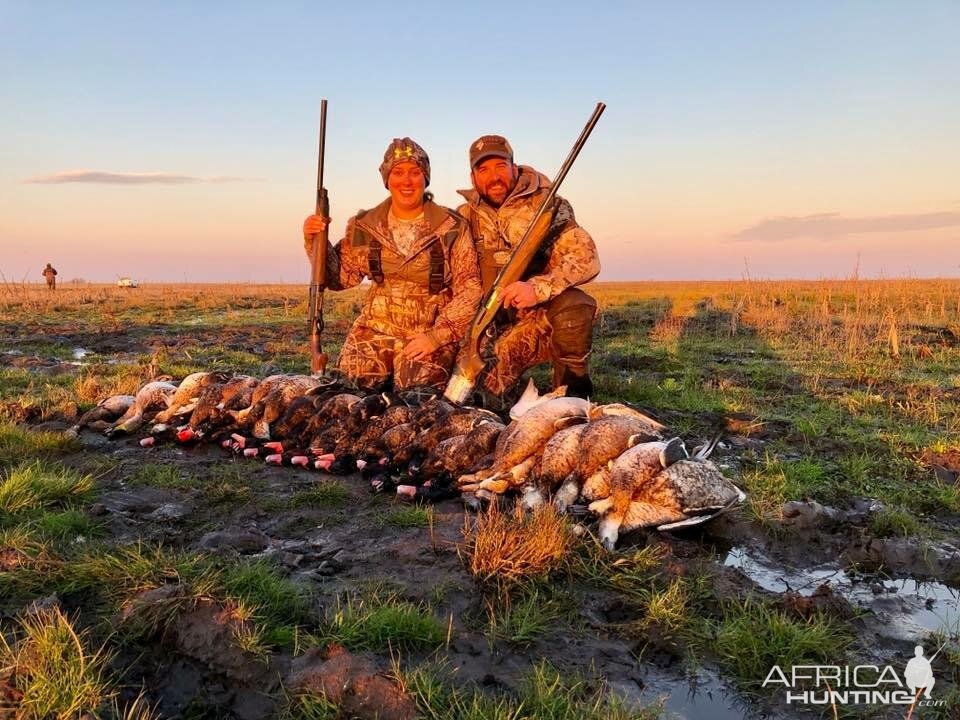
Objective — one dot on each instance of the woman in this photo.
(426, 282)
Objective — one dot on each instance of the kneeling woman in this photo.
(426, 282)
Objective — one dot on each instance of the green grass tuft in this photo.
(68, 526)
(310, 707)
(543, 694)
(162, 476)
(37, 486)
(412, 516)
(18, 444)
(751, 638)
(631, 574)
(329, 493)
(58, 676)
(118, 572)
(261, 585)
(893, 522)
(381, 621)
(521, 620)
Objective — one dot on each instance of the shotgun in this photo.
(469, 362)
(318, 262)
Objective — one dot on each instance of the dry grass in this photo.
(162, 300)
(92, 386)
(511, 547)
(847, 319)
(56, 674)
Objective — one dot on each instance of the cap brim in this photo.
(493, 153)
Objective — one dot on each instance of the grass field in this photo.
(844, 394)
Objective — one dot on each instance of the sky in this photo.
(177, 141)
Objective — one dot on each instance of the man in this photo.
(50, 274)
(550, 318)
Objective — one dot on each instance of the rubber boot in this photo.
(571, 316)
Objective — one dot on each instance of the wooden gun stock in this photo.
(470, 363)
(318, 261)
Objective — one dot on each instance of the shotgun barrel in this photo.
(318, 261)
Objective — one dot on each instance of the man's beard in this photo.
(492, 200)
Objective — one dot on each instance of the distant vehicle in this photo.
(126, 282)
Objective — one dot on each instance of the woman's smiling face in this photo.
(406, 184)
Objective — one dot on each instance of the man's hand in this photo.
(519, 295)
(420, 347)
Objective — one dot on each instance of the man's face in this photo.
(495, 178)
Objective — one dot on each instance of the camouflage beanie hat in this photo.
(404, 150)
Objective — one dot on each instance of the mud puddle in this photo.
(704, 697)
(907, 607)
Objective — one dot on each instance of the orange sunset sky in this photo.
(785, 141)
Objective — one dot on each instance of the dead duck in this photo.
(431, 412)
(700, 491)
(105, 413)
(603, 440)
(454, 455)
(382, 450)
(290, 458)
(237, 393)
(619, 409)
(361, 415)
(531, 397)
(185, 399)
(212, 414)
(165, 432)
(269, 401)
(339, 433)
(150, 398)
(392, 416)
(630, 476)
(560, 455)
(522, 442)
(250, 447)
(205, 408)
(460, 421)
(329, 412)
(435, 490)
(295, 418)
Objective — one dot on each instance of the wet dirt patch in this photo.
(353, 683)
(932, 335)
(945, 464)
(629, 362)
(703, 696)
(902, 608)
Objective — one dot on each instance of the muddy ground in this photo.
(893, 592)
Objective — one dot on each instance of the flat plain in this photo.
(187, 582)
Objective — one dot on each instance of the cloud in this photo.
(831, 225)
(137, 178)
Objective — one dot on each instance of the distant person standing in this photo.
(50, 273)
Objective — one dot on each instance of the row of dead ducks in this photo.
(618, 461)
